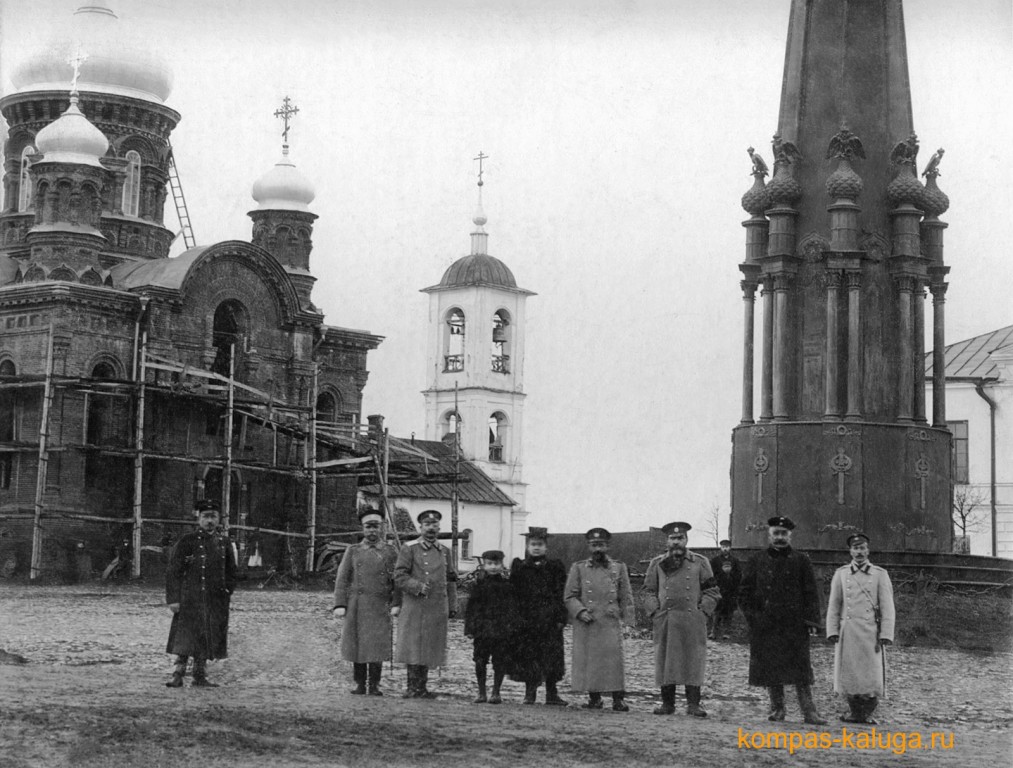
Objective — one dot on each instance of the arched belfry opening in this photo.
(501, 332)
(453, 341)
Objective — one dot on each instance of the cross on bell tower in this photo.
(286, 113)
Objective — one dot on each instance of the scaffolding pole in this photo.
(140, 372)
(40, 479)
(311, 467)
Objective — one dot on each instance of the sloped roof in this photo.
(164, 273)
(969, 359)
(476, 485)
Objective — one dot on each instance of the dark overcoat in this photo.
(422, 625)
(538, 585)
(365, 588)
(604, 591)
(780, 600)
(200, 578)
(489, 614)
(679, 595)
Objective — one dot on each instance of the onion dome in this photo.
(757, 198)
(71, 138)
(119, 60)
(478, 269)
(905, 187)
(283, 188)
(932, 199)
(783, 188)
(844, 182)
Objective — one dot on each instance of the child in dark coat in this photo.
(489, 619)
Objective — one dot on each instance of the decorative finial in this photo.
(845, 145)
(759, 166)
(481, 156)
(285, 113)
(479, 218)
(932, 169)
(75, 61)
(906, 152)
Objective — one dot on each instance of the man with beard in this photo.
(538, 584)
(860, 622)
(728, 575)
(365, 596)
(679, 595)
(198, 587)
(428, 582)
(781, 603)
(599, 600)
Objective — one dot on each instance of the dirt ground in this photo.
(92, 694)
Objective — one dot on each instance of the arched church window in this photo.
(453, 359)
(8, 405)
(100, 416)
(25, 180)
(497, 436)
(132, 184)
(501, 342)
(227, 336)
(327, 407)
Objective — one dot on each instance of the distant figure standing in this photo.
(782, 607)
(489, 621)
(428, 582)
(860, 621)
(599, 600)
(538, 584)
(728, 575)
(365, 596)
(679, 594)
(199, 583)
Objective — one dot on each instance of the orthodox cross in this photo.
(79, 58)
(760, 465)
(481, 156)
(840, 465)
(285, 113)
(922, 473)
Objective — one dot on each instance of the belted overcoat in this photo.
(364, 587)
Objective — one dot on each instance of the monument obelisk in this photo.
(842, 243)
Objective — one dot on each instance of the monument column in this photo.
(905, 382)
(938, 288)
(782, 283)
(854, 345)
(831, 406)
(767, 370)
(918, 368)
(748, 301)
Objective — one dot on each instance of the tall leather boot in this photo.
(178, 673)
(593, 701)
(810, 714)
(618, 702)
(423, 691)
(552, 696)
(412, 686)
(374, 669)
(776, 693)
(480, 672)
(359, 676)
(667, 701)
(869, 705)
(200, 675)
(854, 713)
(693, 702)
(497, 681)
(531, 693)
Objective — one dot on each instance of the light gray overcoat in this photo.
(598, 646)
(365, 588)
(859, 658)
(422, 625)
(679, 599)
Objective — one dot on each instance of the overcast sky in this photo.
(616, 133)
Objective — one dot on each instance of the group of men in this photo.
(516, 619)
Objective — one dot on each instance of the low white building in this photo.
(979, 413)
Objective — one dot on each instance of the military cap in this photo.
(493, 554)
(671, 528)
(367, 511)
(781, 522)
(207, 505)
(724, 543)
(536, 533)
(429, 514)
(857, 538)
(598, 534)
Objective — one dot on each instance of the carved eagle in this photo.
(759, 166)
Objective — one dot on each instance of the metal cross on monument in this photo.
(285, 113)
(481, 156)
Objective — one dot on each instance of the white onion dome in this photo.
(283, 188)
(119, 59)
(71, 138)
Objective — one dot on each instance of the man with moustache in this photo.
(728, 574)
(428, 582)
(860, 623)
(599, 600)
(198, 587)
(781, 603)
(365, 596)
(679, 595)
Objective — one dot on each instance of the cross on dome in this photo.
(286, 113)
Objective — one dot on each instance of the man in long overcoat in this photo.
(199, 583)
(860, 621)
(781, 603)
(538, 583)
(599, 599)
(728, 575)
(679, 595)
(365, 595)
(428, 582)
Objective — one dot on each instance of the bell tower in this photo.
(475, 360)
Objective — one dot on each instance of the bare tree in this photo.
(968, 509)
(712, 524)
